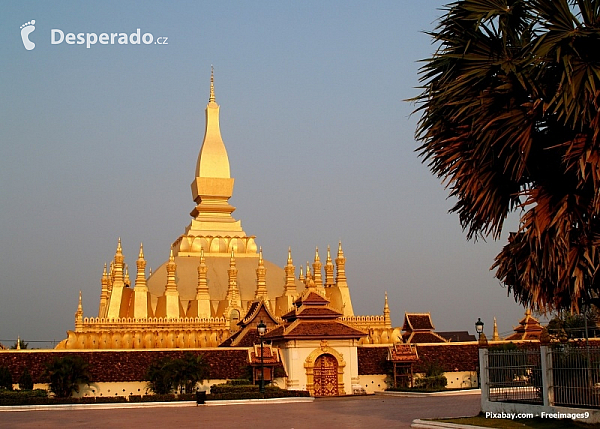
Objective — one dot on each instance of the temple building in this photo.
(214, 277)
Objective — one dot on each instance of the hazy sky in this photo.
(101, 142)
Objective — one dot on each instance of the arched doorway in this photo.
(325, 374)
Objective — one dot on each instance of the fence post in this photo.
(547, 376)
(484, 376)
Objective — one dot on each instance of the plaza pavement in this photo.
(371, 412)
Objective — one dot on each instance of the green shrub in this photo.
(6, 381)
(110, 399)
(25, 380)
(435, 382)
(251, 391)
(23, 397)
(159, 398)
(234, 388)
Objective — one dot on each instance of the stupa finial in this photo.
(211, 98)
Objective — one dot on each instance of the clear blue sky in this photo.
(99, 143)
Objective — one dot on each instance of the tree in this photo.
(159, 376)
(181, 374)
(66, 374)
(22, 345)
(6, 381)
(574, 325)
(25, 380)
(510, 122)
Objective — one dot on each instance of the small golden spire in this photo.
(495, 336)
(126, 280)
(386, 312)
(290, 255)
(119, 250)
(317, 254)
(171, 257)
(18, 342)
(328, 254)
(211, 98)
(260, 257)
(141, 254)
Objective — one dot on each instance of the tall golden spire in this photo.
(171, 267)
(386, 313)
(140, 278)
(79, 316)
(141, 307)
(340, 261)
(103, 294)
(290, 283)
(317, 270)
(233, 293)
(202, 288)
(495, 336)
(119, 261)
(261, 283)
(211, 190)
(329, 280)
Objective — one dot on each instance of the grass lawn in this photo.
(536, 423)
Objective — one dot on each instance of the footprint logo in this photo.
(26, 30)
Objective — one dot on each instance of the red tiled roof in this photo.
(319, 329)
(422, 337)
(417, 321)
(457, 336)
(403, 353)
(317, 312)
(270, 356)
(312, 298)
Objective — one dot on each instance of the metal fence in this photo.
(515, 376)
(576, 375)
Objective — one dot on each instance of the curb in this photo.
(258, 401)
(103, 406)
(429, 424)
(172, 404)
(426, 394)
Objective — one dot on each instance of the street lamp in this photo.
(479, 327)
(262, 329)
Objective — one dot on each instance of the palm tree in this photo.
(181, 374)
(510, 122)
(193, 370)
(66, 374)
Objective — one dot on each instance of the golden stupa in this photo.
(213, 274)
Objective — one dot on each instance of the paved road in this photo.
(372, 412)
